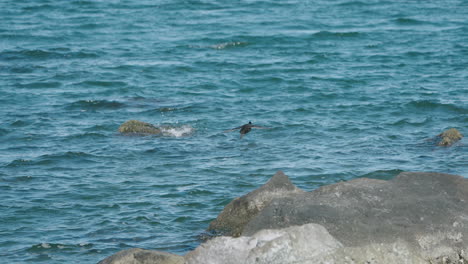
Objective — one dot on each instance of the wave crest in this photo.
(226, 45)
(95, 105)
(57, 246)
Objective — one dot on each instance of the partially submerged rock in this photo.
(138, 127)
(414, 218)
(141, 256)
(427, 212)
(449, 137)
(232, 220)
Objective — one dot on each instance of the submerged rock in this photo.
(138, 127)
(232, 220)
(449, 137)
(141, 256)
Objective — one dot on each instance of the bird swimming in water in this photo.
(244, 129)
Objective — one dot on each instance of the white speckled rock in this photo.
(288, 245)
(141, 256)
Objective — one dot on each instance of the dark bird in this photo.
(244, 129)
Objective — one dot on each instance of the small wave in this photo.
(329, 34)
(48, 159)
(430, 105)
(19, 123)
(20, 68)
(92, 26)
(100, 127)
(354, 3)
(87, 135)
(182, 131)
(67, 155)
(27, 162)
(103, 83)
(95, 105)
(195, 192)
(166, 109)
(37, 248)
(142, 102)
(417, 54)
(41, 85)
(17, 179)
(4, 132)
(38, 54)
(382, 174)
(407, 121)
(227, 45)
(182, 219)
(149, 100)
(26, 54)
(39, 7)
(407, 21)
(19, 163)
(83, 3)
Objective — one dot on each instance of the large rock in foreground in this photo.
(288, 245)
(306, 244)
(423, 214)
(413, 218)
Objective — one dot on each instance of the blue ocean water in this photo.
(349, 89)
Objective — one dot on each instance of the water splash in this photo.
(172, 131)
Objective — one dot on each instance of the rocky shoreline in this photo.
(417, 217)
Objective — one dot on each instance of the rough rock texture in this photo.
(141, 256)
(427, 211)
(138, 127)
(240, 211)
(306, 244)
(449, 137)
(414, 218)
(289, 245)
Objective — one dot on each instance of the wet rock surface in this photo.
(138, 127)
(449, 137)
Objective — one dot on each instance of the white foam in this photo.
(45, 245)
(181, 131)
(228, 45)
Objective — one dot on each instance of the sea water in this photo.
(348, 89)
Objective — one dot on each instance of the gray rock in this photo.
(427, 211)
(307, 244)
(240, 211)
(289, 245)
(449, 137)
(414, 218)
(141, 256)
(138, 127)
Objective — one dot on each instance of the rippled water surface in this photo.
(349, 89)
